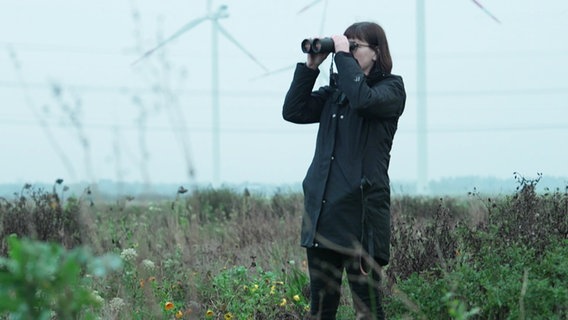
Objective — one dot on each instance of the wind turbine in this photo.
(214, 17)
(421, 94)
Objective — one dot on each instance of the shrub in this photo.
(44, 281)
(421, 240)
(501, 284)
(38, 214)
(251, 293)
(525, 218)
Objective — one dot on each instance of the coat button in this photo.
(332, 158)
(316, 244)
(323, 201)
(333, 115)
(341, 117)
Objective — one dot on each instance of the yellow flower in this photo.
(179, 314)
(254, 288)
(209, 313)
(141, 283)
(272, 289)
(245, 287)
(169, 306)
(279, 283)
(228, 316)
(283, 302)
(296, 298)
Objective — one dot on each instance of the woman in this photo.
(346, 225)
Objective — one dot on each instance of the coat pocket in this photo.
(376, 229)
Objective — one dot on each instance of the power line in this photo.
(265, 93)
(510, 128)
(268, 130)
(503, 92)
(118, 89)
(131, 52)
(59, 48)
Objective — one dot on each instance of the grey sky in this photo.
(497, 94)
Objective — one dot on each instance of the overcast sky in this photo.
(73, 105)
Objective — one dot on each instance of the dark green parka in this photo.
(347, 188)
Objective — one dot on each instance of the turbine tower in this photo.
(216, 28)
(421, 95)
(421, 98)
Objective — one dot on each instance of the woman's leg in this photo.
(365, 291)
(326, 269)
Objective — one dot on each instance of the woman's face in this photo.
(365, 55)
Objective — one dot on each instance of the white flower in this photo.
(116, 304)
(148, 265)
(128, 254)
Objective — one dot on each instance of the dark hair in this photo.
(375, 36)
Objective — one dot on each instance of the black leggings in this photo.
(326, 271)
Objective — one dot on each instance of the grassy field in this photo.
(222, 254)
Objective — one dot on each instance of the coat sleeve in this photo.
(384, 99)
(301, 105)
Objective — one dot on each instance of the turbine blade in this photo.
(486, 11)
(236, 43)
(308, 6)
(183, 29)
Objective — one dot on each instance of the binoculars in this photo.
(321, 45)
(318, 45)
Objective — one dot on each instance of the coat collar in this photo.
(375, 76)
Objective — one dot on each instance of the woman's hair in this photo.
(375, 36)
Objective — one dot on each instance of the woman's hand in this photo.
(341, 43)
(315, 59)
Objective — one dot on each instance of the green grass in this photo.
(219, 254)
